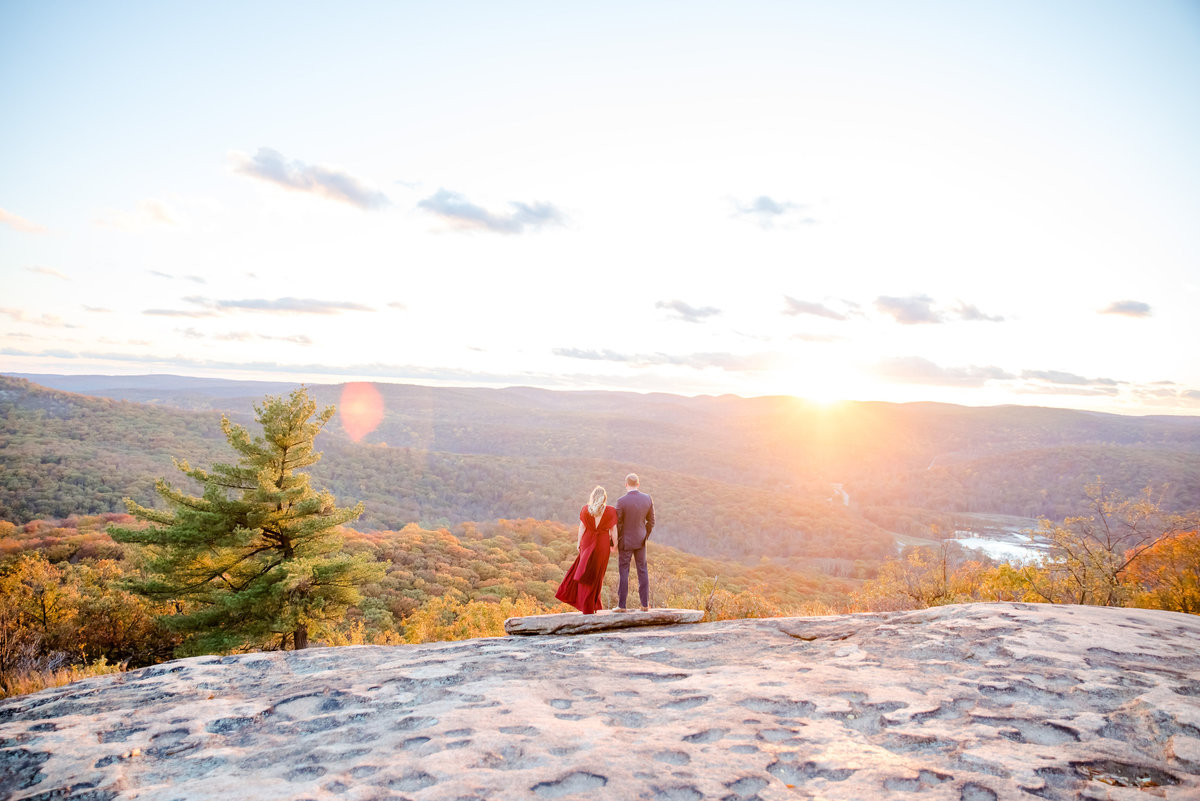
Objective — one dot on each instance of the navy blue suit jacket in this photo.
(635, 520)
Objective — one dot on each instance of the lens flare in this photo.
(361, 409)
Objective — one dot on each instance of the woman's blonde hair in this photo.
(597, 501)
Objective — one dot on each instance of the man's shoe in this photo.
(645, 609)
(620, 609)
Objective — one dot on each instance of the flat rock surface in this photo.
(983, 701)
(606, 620)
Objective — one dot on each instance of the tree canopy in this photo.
(256, 558)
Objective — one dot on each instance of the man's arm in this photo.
(649, 519)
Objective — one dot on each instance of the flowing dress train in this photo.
(581, 586)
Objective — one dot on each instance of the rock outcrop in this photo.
(985, 701)
(606, 620)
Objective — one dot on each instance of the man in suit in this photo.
(635, 521)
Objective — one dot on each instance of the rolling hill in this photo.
(733, 478)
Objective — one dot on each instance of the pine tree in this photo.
(256, 559)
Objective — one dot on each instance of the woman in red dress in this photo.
(597, 531)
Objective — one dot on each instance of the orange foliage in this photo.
(1167, 575)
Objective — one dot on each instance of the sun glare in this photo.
(361, 409)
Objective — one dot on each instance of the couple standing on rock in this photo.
(633, 520)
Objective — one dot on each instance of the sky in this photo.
(968, 202)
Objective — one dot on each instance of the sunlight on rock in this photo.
(361, 409)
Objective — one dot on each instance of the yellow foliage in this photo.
(448, 618)
(31, 681)
(923, 577)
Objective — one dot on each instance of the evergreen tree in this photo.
(255, 560)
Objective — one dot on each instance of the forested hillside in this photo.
(732, 477)
(69, 454)
(64, 599)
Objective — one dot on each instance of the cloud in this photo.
(1091, 392)
(921, 309)
(817, 338)
(18, 223)
(151, 211)
(99, 309)
(917, 370)
(47, 320)
(767, 212)
(970, 313)
(215, 308)
(730, 362)
(195, 279)
(158, 211)
(338, 372)
(270, 166)
(1060, 377)
(1059, 382)
(281, 305)
(47, 271)
(686, 312)
(246, 336)
(913, 310)
(395, 304)
(797, 307)
(467, 216)
(1128, 308)
(180, 313)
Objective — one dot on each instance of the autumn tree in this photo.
(256, 560)
(1091, 555)
(921, 578)
(1167, 575)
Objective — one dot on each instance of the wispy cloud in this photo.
(687, 312)
(971, 313)
(47, 320)
(732, 362)
(766, 212)
(817, 338)
(1061, 377)
(464, 215)
(1064, 389)
(1128, 308)
(922, 309)
(195, 279)
(913, 310)
(280, 305)
(18, 223)
(1060, 382)
(47, 271)
(255, 369)
(214, 307)
(794, 307)
(395, 304)
(149, 212)
(246, 336)
(98, 309)
(328, 182)
(918, 370)
(181, 312)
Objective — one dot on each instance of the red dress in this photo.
(581, 586)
